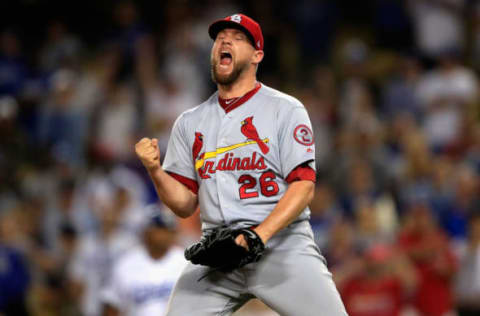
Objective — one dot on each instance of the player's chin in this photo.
(223, 76)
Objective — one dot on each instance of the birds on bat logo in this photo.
(229, 161)
(250, 132)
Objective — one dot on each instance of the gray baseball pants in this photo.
(291, 278)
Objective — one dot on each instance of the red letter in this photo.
(245, 164)
(202, 172)
(260, 164)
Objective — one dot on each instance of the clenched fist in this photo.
(148, 152)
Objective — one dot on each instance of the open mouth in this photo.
(225, 58)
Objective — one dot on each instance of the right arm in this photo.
(174, 194)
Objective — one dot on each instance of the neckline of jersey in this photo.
(233, 103)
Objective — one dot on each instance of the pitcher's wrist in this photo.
(154, 169)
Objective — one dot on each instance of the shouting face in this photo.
(232, 54)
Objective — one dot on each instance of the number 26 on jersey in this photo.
(266, 185)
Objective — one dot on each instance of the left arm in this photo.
(298, 195)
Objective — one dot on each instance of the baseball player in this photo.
(143, 279)
(246, 157)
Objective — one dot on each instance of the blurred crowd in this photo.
(393, 94)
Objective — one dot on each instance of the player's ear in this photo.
(257, 57)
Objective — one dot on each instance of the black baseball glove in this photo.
(217, 249)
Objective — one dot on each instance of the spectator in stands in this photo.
(400, 94)
(368, 224)
(414, 177)
(130, 36)
(468, 279)
(62, 49)
(142, 280)
(91, 263)
(427, 247)
(340, 253)
(466, 188)
(62, 126)
(446, 94)
(438, 25)
(14, 276)
(13, 68)
(116, 124)
(325, 214)
(382, 286)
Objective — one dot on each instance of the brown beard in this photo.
(228, 79)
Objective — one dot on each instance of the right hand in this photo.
(148, 152)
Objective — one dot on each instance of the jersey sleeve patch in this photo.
(302, 172)
(303, 135)
(192, 185)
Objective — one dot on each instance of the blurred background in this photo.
(392, 91)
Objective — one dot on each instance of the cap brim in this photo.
(219, 25)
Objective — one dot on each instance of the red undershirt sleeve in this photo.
(192, 185)
(302, 172)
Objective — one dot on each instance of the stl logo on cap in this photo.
(236, 18)
(242, 22)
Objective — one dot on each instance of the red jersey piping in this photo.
(233, 103)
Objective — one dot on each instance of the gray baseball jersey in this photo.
(241, 156)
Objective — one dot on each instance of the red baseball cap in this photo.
(241, 22)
